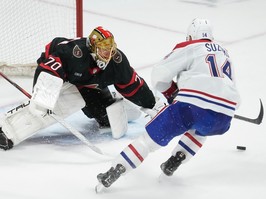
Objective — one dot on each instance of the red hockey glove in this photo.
(171, 92)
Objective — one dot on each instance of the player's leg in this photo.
(203, 123)
(130, 158)
(160, 131)
(19, 123)
(187, 147)
(111, 113)
(132, 110)
(96, 102)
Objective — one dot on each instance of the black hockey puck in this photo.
(241, 148)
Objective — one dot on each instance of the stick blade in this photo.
(257, 120)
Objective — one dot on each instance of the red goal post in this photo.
(28, 25)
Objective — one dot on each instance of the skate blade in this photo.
(99, 188)
(162, 177)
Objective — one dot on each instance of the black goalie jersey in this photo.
(71, 60)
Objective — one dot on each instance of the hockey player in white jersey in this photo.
(202, 101)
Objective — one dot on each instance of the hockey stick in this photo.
(257, 120)
(15, 85)
(58, 119)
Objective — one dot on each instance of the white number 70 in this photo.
(52, 63)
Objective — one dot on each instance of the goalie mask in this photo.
(102, 45)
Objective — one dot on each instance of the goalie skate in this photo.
(5, 143)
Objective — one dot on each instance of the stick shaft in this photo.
(16, 85)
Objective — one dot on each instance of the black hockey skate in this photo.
(171, 165)
(5, 143)
(108, 178)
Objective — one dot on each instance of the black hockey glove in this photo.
(5, 143)
(171, 93)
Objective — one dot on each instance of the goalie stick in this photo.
(59, 120)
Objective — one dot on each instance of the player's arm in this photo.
(135, 89)
(48, 80)
(51, 61)
(138, 92)
(164, 72)
(129, 84)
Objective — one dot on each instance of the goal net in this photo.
(27, 26)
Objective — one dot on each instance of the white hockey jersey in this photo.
(204, 76)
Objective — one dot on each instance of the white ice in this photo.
(54, 164)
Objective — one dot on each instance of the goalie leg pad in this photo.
(132, 110)
(117, 118)
(69, 102)
(19, 123)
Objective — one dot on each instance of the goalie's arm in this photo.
(137, 91)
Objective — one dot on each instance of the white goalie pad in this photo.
(117, 118)
(70, 101)
(19, 123)
(132, 110)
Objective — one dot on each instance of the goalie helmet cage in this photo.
(28, 25)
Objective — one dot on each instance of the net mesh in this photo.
(27, 26)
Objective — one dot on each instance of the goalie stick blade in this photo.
(257, 120)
